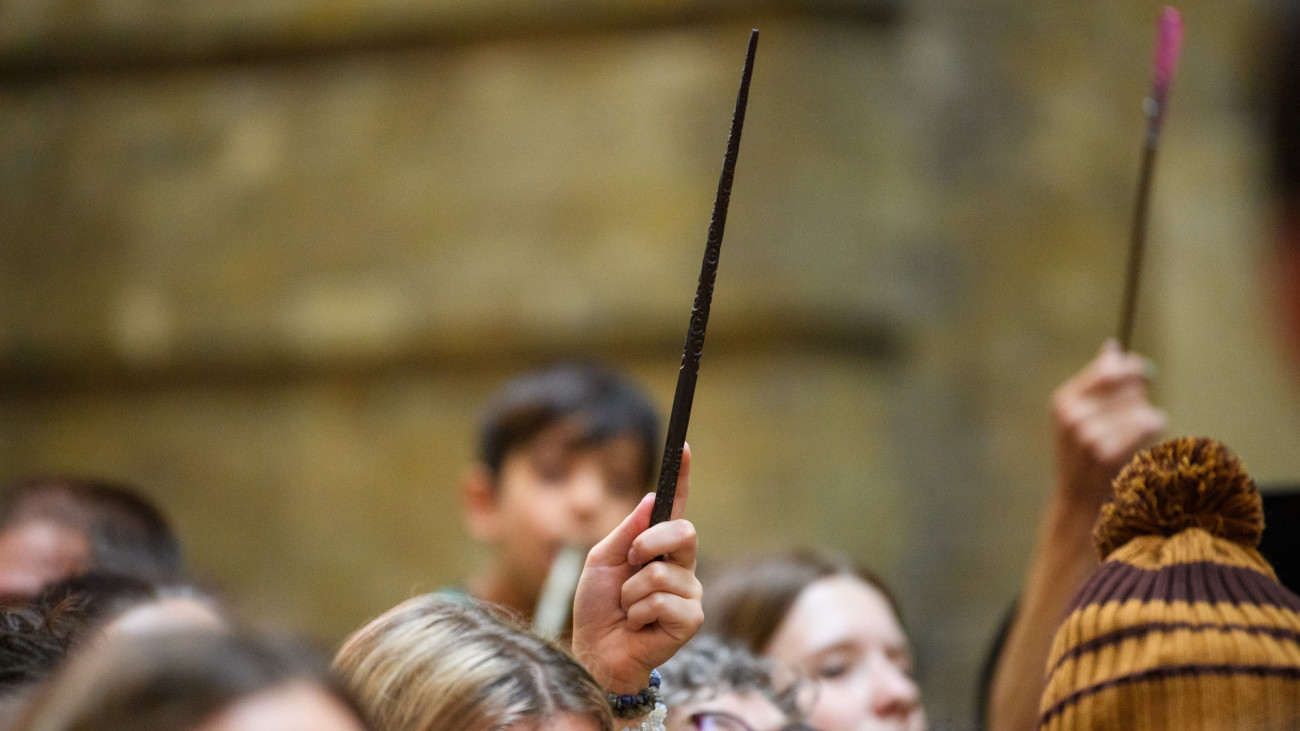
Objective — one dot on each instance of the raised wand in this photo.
(680, 415)
(1169, 43)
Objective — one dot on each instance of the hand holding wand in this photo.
(1169, 43)
(680, 415)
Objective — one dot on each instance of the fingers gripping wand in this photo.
(680, 415)
(1169, 43)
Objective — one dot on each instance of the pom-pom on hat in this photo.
(1184, 625)
(1183, 483)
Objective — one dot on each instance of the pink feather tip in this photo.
(1169, 44)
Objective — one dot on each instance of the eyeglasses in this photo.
(723, 721)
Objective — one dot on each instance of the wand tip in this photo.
(1169, 44)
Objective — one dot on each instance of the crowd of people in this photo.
(101, 629)
(1147, 603)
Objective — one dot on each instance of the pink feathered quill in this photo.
(1169, 44)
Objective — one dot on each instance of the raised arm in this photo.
(1102, 418)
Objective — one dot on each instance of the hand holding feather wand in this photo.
(680, 415)
(1169, 43)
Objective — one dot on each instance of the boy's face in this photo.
(557, 491)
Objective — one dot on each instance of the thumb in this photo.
(612, 550)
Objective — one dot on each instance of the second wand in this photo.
(680, 415)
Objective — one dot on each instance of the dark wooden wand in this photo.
(680, 415)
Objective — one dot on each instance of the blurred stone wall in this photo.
(266, 259)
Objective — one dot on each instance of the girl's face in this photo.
(842, 633)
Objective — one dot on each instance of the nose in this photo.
(895, 694)
(586, 490)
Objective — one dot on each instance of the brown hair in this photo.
(599, 402)
(441, 662)
(35, 638)
(747, 602)
(173, 681)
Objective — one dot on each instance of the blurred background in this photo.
(266, 259)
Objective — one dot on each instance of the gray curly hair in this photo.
(708, 667)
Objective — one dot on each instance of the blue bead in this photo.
(655, 680)
(627, 700)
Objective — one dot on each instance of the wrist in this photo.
(625, 684)
(620, 682)
(1065, 552)
(1070, 515)
(629, 704)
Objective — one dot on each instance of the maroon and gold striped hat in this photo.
(1184, 625)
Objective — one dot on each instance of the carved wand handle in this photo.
(686, 376)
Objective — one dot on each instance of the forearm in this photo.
(1063, 559)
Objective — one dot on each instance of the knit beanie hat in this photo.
(1184, 625)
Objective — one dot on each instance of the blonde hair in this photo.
(437, 662)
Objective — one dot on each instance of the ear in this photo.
(480, 504)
